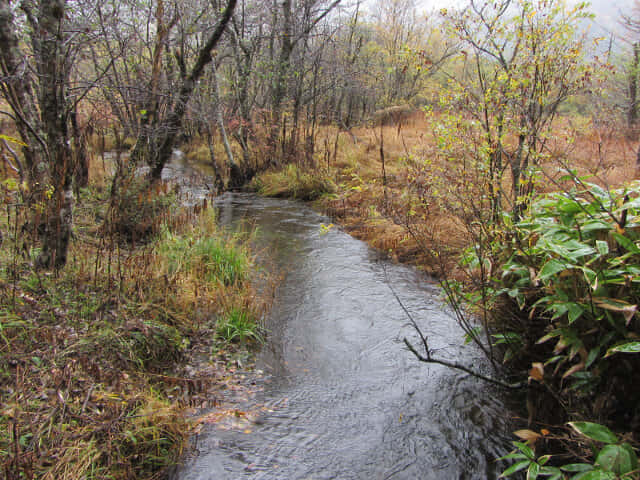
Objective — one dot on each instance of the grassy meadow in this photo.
(103, 361)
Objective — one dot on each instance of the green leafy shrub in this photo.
(615, 460)
(574, 264)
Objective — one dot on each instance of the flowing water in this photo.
(342, 397)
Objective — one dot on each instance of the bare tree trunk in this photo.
(175, 118)
(17, 90)
(80, 155)
(236, 177)
(632, 114)
(54, 106)
(244, 53)
(279, 88)
(149, 118)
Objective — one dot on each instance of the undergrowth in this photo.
(90, 382)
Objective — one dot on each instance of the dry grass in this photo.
(392, 218)
(93, 377)
(293, 182)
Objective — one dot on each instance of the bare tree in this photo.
(37, 86)
(297, 22)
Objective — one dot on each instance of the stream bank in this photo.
(100, 360)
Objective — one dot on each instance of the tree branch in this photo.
(457, 366)
(428, 358)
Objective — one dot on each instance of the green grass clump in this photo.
(293, 182)
(216, 259)
(239, 325)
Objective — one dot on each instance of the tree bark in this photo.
(80, 155)
(633, 88)
(54, 106)
(17, 91)
(175, 118)
(236, 178)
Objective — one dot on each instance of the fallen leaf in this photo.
(537, 371)
(527, 435)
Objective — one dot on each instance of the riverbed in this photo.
(342, 397)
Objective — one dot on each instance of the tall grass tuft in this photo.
(239, 325)
(292, 182)
(214, 257)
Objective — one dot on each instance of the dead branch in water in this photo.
(428, 357)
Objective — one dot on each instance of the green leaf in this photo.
(513, 456)
(577, 467)
(524, 448)
(631, 347)
(593, 355)
(544, 459)
(533, 471)
(594, 431)
(551, 472)
(632, 456)
(516, 467)
(595, 475)
(551, 268)
(602, 247)
(615, 458)
(625, 242)
(595, 225)
(575, 311)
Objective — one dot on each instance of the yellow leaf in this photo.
(527, 435)
(12, 140)
(537, 371)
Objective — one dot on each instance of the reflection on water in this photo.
(344, 398)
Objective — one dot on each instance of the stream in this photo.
(342, 397)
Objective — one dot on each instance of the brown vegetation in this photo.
(100, 363)
(391, 220)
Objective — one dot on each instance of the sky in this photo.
(607, 12)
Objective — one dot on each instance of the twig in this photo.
(430, 359)
(457, 366)
(86, 400)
